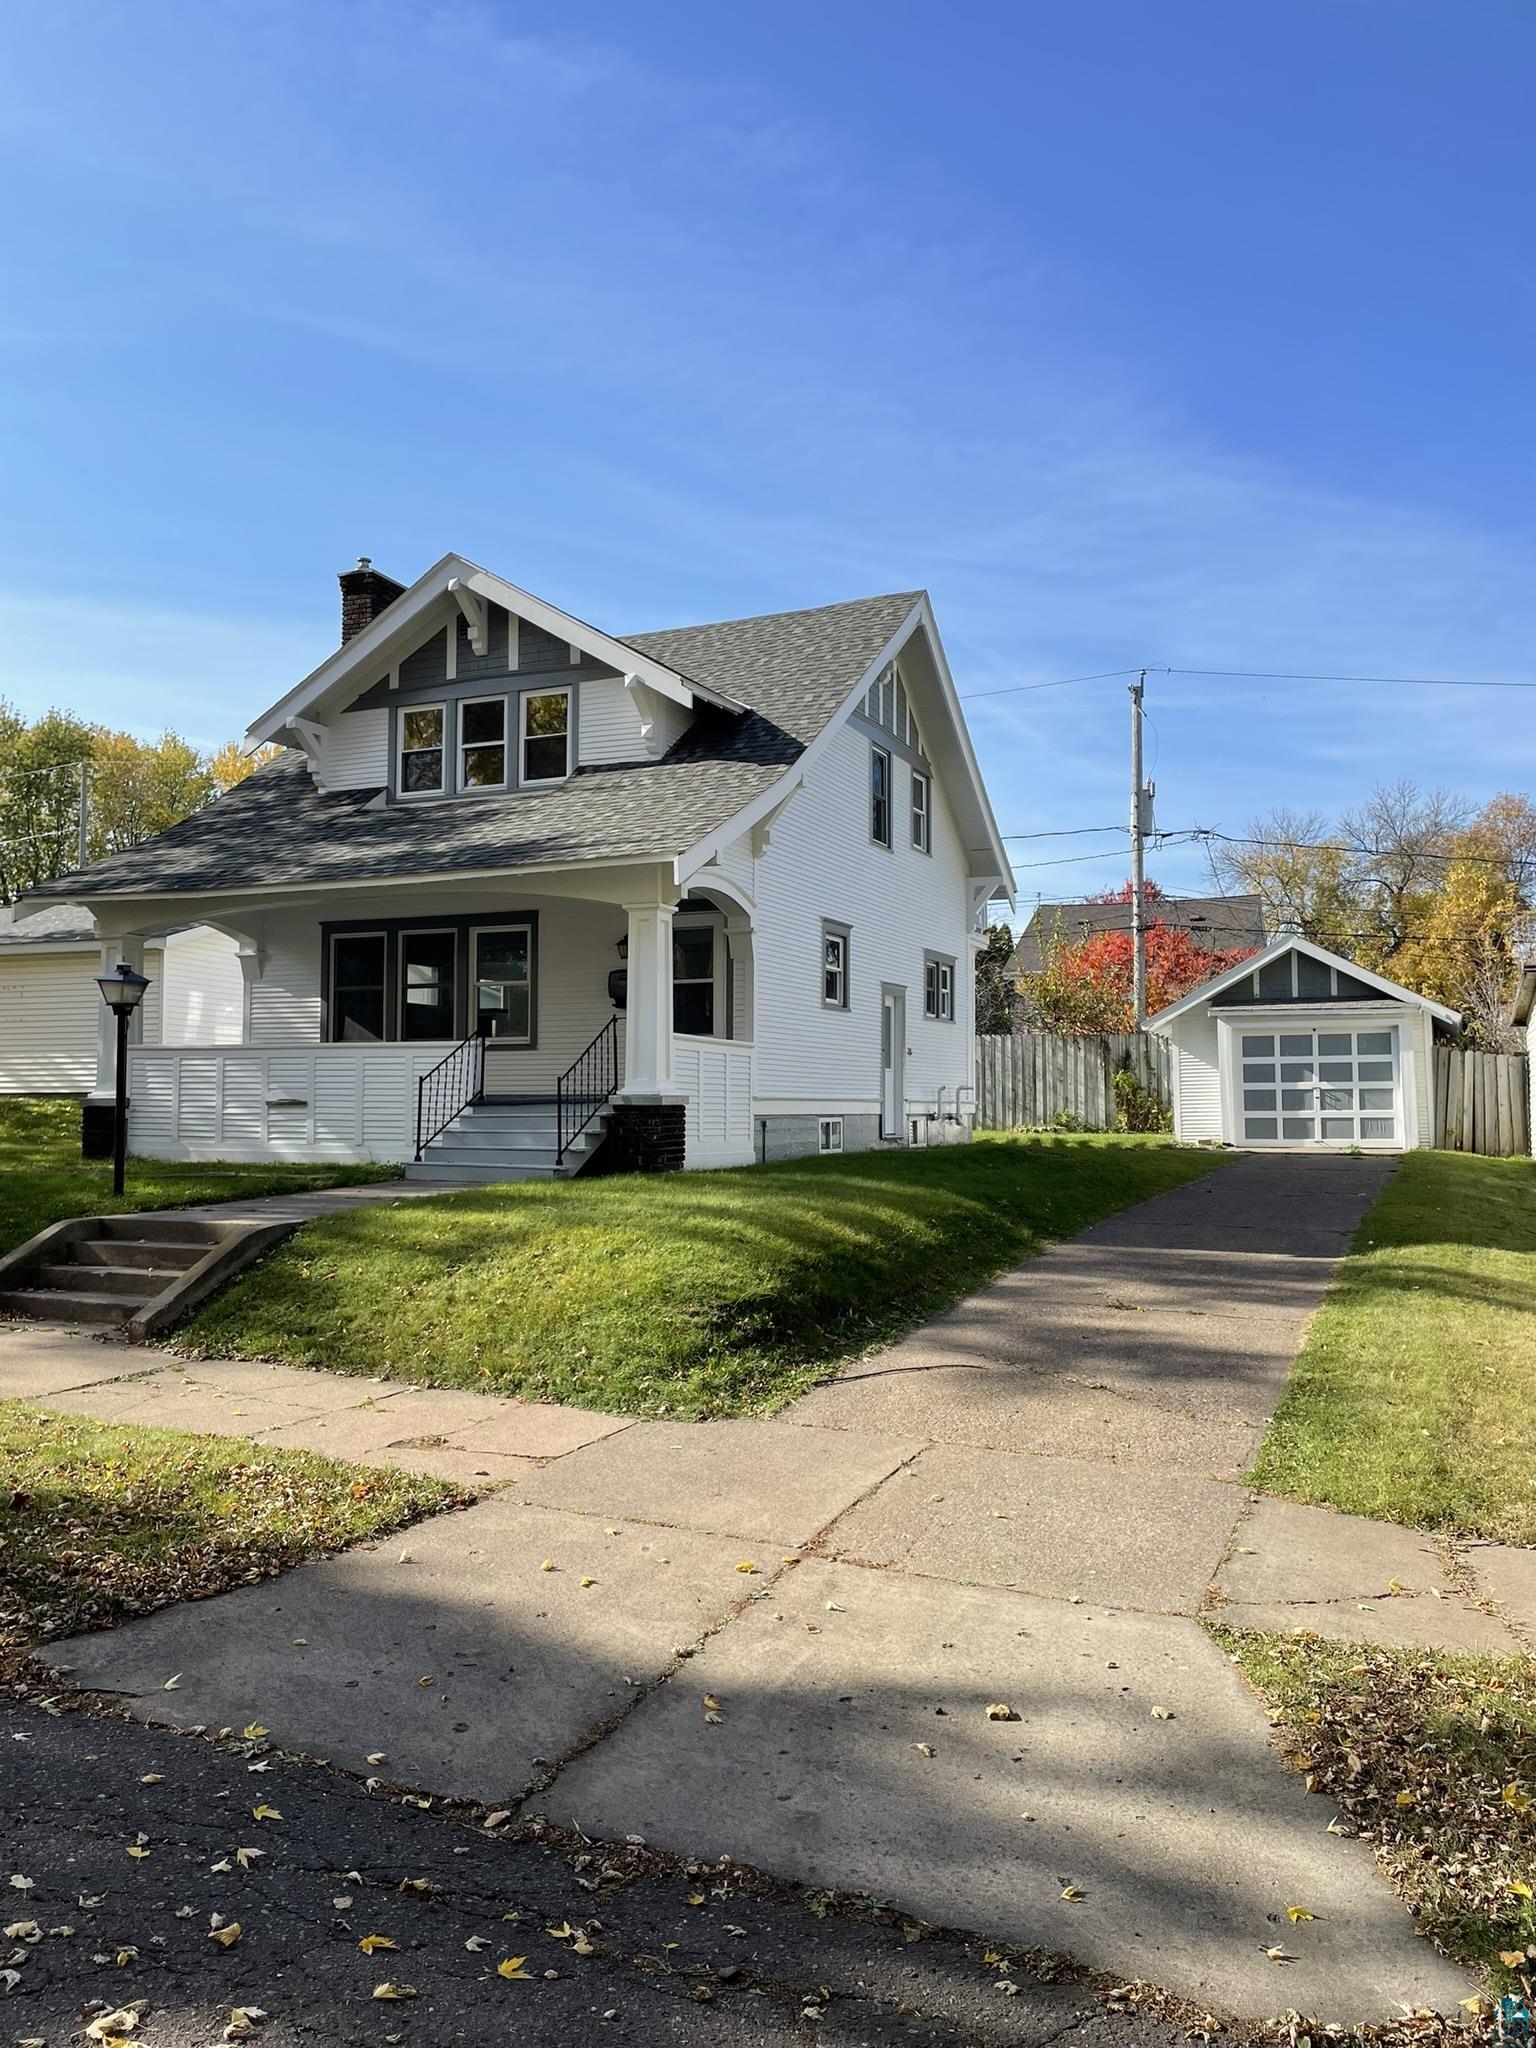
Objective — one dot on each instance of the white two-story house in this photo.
(519, 895)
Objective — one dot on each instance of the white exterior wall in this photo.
(355, 752)
(48, 1006)
(1196, 1077)
(608, 723)
(821, 863)
(201, 990)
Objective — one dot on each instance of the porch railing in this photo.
(585, 1086)
(451, 1086)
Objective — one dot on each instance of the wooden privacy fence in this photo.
(1029, 1077)
(1482, 1101)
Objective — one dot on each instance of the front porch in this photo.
(371, 1027)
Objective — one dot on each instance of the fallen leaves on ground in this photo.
(511, 1967)
(1425, 1755)
(370, 1942)
(226, 1937)
(388, 1990)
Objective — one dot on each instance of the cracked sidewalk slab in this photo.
(854, 1750)
(449, 1646)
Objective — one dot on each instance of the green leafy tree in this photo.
(996, 998)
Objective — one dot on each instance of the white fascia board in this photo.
(371, 649)
(1525, 994)
(995, 848)
(1292, 942)
(762, 806)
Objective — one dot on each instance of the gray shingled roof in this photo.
(57, 924)
(1221, 923)
(795, 669)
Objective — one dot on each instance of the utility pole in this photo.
(1138, 872)
(85, 814)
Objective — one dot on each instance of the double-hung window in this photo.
(880, 796)
(503, 978)
(483, 743)
(546, 735)
(834, 966)
(939, 988)
(421, 750)
(428, 974)
(693, 979)
(922, 811)
(357, 986)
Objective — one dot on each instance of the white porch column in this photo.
(648, 1012)
(131, 952)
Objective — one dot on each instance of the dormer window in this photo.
(483, 743)
(546, 735)
(421, 750)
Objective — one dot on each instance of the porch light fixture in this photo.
(123, 991)
(623, 948)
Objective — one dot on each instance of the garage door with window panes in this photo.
(1320, 1087)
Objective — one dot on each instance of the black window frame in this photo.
(390, 929)
(355, 934)
(880, 805)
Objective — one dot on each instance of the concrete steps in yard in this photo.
(138, 1273)
(492, 1142)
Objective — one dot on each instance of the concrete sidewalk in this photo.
(980, 1516)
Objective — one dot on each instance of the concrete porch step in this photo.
(65, 1305)
(163, 1256)
(134, 1283)
(432, 1167)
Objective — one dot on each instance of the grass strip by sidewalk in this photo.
(689, 1294)
(43, 1179)
(100, 1522)
(1431, 1758)
(1414, 1399)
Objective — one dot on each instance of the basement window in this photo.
(831, 1137)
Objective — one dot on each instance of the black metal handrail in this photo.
(585, 1086)
(451, 1086)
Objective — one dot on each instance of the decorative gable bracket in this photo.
(311, 737)
(476, 615)
(648, 703)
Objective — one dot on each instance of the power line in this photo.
(1012, 689)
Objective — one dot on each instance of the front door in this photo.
(893, 1031)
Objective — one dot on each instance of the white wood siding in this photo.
(355, 753)
(608, 723)
(48, 1005)
(202, 990)
(821, 863)
(1196, 1077)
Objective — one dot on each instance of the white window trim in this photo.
(831, 929)
(715, 979)
(464, 787)
(401, 750)
(944, 997)
(922, 841)
(829, 1135)
(524, 779)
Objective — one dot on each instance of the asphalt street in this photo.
(616, 1946)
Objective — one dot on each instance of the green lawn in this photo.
(1432, 1759)
(686, 1294)
(1414, 1399)
(98, 1523)
(43, 1179)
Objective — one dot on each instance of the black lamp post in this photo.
(124, 990)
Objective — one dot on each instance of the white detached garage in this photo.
(1296, 1048)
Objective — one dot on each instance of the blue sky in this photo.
(1193, 334)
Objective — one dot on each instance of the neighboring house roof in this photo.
(795, 670)
(1221, 923)
(59, 924)
(1291, 942)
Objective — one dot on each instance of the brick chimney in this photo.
(364, 593)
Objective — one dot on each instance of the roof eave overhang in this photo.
(389, 636)
(1291, 942)
(987, 863)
